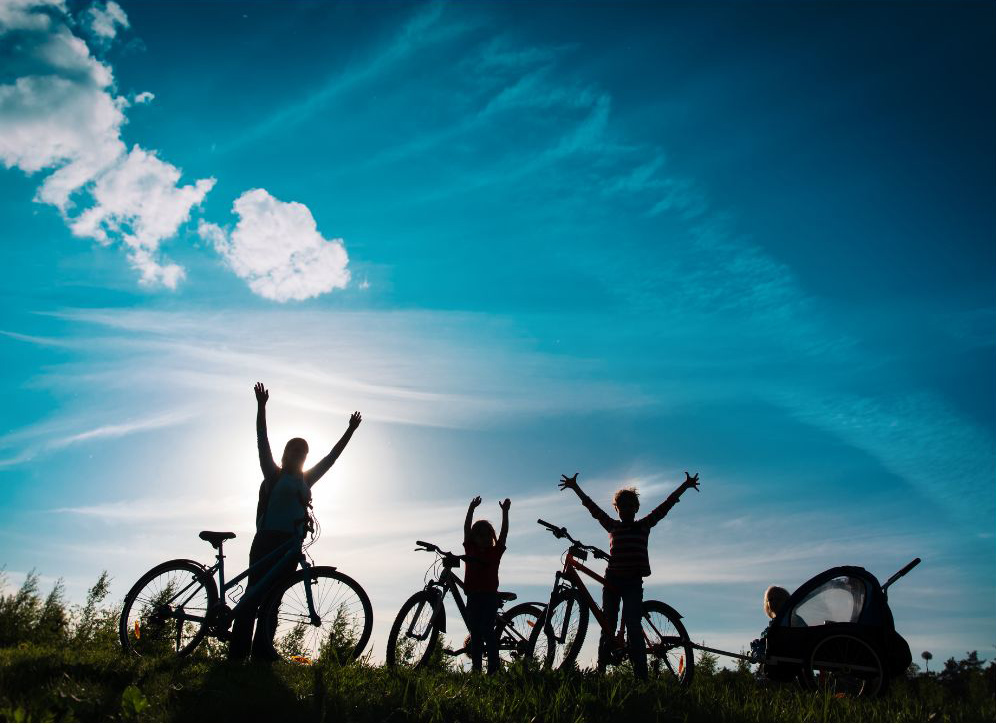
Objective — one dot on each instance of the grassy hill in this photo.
(63, 663)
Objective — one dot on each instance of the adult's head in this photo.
(774, 598)
(295, 451)
(626, 502)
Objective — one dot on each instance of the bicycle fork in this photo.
(437, 602)
(312, 613)
(560, 636)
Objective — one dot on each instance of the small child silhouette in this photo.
(484, 551)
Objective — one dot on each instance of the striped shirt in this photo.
(628, 557)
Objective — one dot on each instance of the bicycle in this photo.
(415, 631)
(316, 611)
(557, 638)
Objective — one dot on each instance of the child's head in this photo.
(626, 502)
(774, 598)
(483, 535)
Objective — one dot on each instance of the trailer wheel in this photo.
(845, 666)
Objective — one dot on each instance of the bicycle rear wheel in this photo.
(414, 633)
(669, 650)
(556, 640)
(345, 616)
(515, 627)
(166, 611)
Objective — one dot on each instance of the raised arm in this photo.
(503, 535)
(266, 462)
(313, 475)
(655, 516)
(469, 520)
(597, 513)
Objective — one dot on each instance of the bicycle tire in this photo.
(407, 653)
(669, 650)
(514, 629)
(343, 607)
(556, 641)
(147, 630)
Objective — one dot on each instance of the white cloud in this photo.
(145, 97)
(277, 248)
(138, 200)
(61, 114)
(104, 20)
(24, 15)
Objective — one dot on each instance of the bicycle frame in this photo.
(448, 582)
(570, 573)
(286, 552)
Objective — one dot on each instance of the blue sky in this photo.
(627, 239)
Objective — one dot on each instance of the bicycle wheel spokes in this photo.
(166, 611)
(669, 650)
(558, 644)
(341, 627)
(515, 626)
(413, 634)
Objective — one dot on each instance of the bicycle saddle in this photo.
(506, 596)
(214, 537)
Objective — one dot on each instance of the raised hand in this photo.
(505, 504)
(567, 483)
(475, 502)
(261, 394)
(354, 420)
(691, 481)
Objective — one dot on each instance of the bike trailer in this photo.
(839, 624)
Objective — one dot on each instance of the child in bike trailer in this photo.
(484, 550)
(629, 564)
(284, 500)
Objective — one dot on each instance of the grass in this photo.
(39, 683)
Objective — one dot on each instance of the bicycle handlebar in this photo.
(557, 531)
(561, 532)
(433, 548)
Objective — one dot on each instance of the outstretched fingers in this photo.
(568, 482)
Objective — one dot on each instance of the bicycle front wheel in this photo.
(515, 627)
(669, 650)
(344, 616)
(166, 611)
(556, 640)
(414, 634)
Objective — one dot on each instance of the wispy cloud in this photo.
(36, 440)
(426, 27)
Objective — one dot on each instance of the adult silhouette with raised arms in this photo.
(629, 563)
(284, 500)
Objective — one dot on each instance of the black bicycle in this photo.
(316, 611)
(418, 625)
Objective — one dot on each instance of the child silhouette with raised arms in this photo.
(629, 563)
(484, 550)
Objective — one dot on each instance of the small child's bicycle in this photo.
(415, 632)
(315, 611)
(559, 634)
